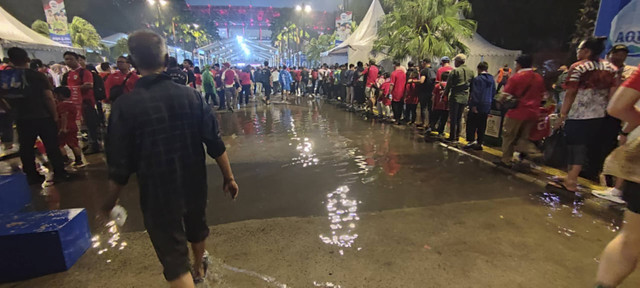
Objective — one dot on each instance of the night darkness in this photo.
(528, 25)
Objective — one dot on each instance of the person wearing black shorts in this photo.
(159, 136)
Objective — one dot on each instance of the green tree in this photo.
(83, 34)
(41, 27)
(586, 22)
(121, 48)
(424, 28)
(319, 45)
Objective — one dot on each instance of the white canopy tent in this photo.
(359, 45)
(15, 34)
(481, 50)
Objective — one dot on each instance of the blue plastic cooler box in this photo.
(39, 243)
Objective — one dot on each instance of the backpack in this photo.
(12, 83)
(118, 90)
(98, 84)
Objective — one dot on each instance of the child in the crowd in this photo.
(411, 98)
(440, 107)
(68, 133)
(384, 100)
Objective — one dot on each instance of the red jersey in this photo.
(528, 87)
(385, 87)
(398, 79)
(228, 76)
(298, 76)
(634, 81)
(412, 92)
(245, 78)
(442, 70)
(67, 107)
(75, 80)
(440, 101)
(118, 78)
(314, 75)
(372, 75)
(198, 78)
(543, 127)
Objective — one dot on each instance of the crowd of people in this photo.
(593, 101)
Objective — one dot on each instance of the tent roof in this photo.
(13, 32)
(479, 46)
(111, 40)
(366, 32)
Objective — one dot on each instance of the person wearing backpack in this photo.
(122, 81)
(34, 107)
(80, 82)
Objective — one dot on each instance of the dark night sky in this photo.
(528, 25)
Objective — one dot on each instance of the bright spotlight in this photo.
(151, 2)
(307, 8)
(298, 8)
(239, 38)
(163, 2)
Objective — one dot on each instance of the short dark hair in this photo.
(82, 57)
(386, 75)
(444, 76)
(372, 62)
(596, 45)
(188, 62)
(36, 64)
(411, 64)
(266, 63)
(63, 91)
(216, 65)
(427, 61)
(284, 66)
(196, 70)
(483, 66)
(74, 54)
(351, 66)
(360, 64)
(104, 66)
(6, 60)
(446, 61)
(18, 56)
(525, 60)
(396, 63)
(148, 49)
(91, 68)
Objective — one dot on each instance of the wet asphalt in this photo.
(311, 164)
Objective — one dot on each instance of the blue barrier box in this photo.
(39, 243)
(14, 193)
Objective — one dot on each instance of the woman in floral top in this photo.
(590, 84)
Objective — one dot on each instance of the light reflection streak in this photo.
(113, 240)
(343, 216)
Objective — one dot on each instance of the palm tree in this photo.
(318, 45)
(424, 28)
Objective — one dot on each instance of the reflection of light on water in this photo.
(305, 149)
(325, 285)
(343, 216)
(113, 240)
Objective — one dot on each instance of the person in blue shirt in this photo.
(483, 89)
(285, 82)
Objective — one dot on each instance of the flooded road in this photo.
(333, 200)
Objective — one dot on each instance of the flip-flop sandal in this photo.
(556, 179)
(560, 186)
(205, 267)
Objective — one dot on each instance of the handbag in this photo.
(117, 91)
(511, 102)
(555, 149)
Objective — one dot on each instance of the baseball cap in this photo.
(445, 58)
(619, 47)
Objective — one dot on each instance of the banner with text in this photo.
(619, 21)
(343, 26)
(57, 20)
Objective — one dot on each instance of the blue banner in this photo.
(618, 20)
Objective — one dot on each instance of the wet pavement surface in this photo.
(329, 199)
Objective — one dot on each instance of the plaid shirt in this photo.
(157, 131)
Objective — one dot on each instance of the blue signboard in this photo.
(618, 20)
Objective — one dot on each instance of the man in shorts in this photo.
(157, 131)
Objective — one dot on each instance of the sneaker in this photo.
(477, 147)
(79, 164)
(611, 194)
(62, 178)
(469, 146)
